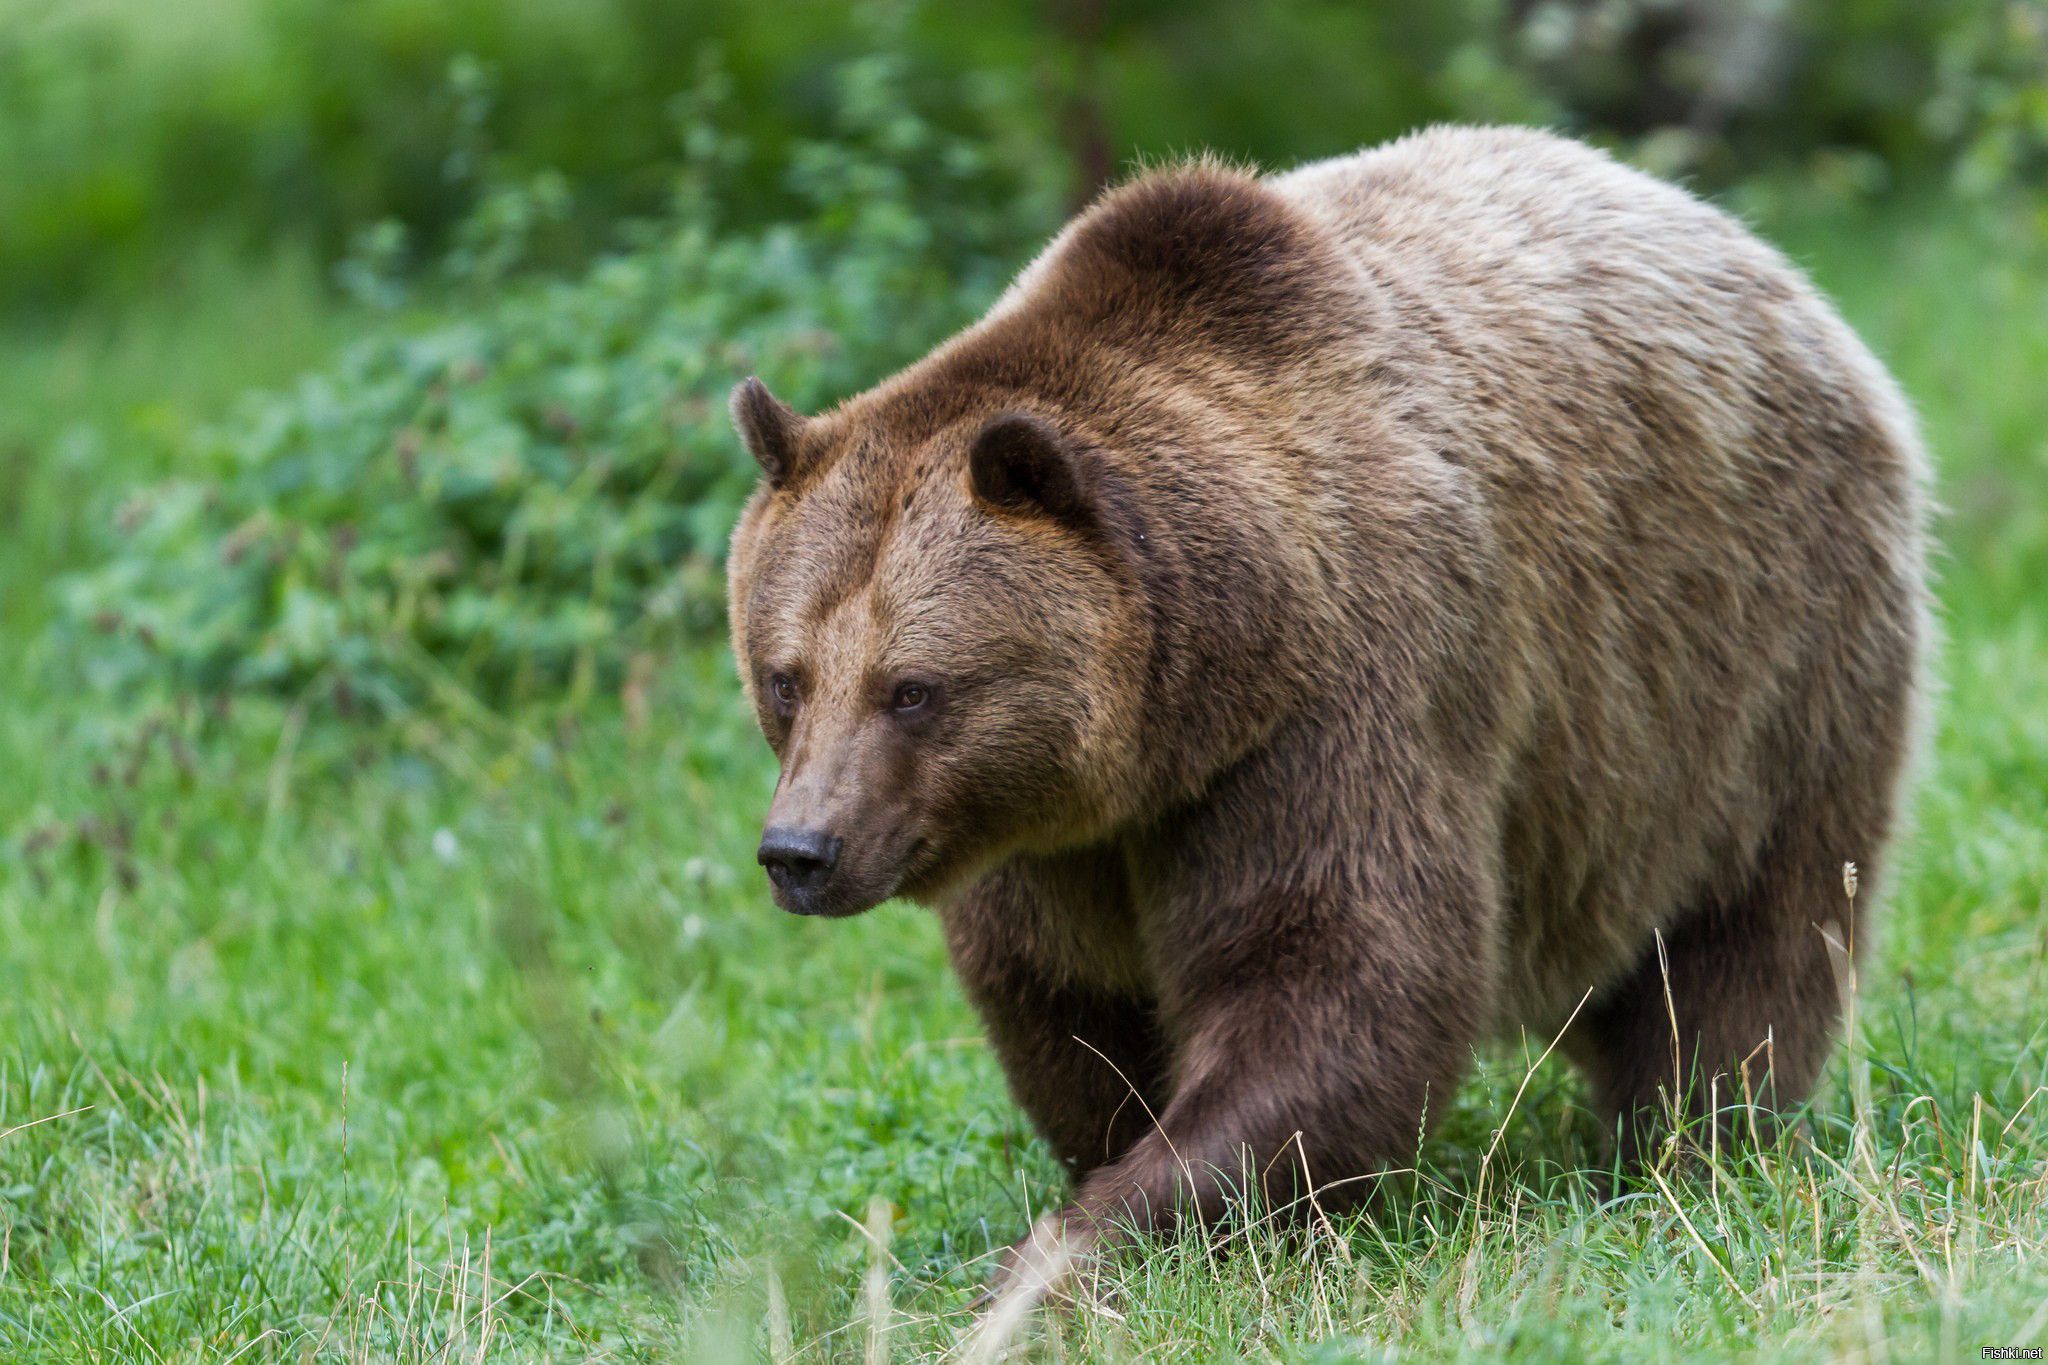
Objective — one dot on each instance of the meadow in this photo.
(481, 1040)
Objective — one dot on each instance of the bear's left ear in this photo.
(1018, 463)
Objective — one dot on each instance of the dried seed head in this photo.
(1849, 879)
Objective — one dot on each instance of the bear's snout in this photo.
(800, 862)
(846, 826)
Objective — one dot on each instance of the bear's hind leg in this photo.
(1739, 1008)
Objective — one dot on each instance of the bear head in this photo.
(937, 630)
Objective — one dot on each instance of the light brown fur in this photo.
(1370, 605)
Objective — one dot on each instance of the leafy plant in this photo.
(525, 499)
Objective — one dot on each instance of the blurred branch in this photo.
(1083, 127)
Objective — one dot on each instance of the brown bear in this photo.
(1315, 622)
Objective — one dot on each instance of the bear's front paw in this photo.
(1051, 1264)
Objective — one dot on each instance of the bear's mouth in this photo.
(916, 865)
(913, 881)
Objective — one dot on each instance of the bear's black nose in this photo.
(799, 861)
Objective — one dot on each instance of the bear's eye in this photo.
(911, 696)
(782, 687)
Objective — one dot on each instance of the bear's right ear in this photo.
(1020, 464)
(771, 428)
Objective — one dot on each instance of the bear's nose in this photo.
(799, 861)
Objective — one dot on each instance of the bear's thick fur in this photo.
(1317, 621)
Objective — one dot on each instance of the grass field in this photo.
(483, 1041)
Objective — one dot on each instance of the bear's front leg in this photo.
(1314, 1017)
(1047, 952)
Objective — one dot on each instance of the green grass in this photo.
(483, 1042)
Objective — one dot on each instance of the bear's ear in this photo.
(1020, 464)
(771, 428)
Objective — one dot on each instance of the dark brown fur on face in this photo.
(1345, 615)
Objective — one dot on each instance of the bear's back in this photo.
(1545, 282)
(1500, 219)
(1704, 496)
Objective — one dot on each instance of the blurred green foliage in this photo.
(126, 125)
